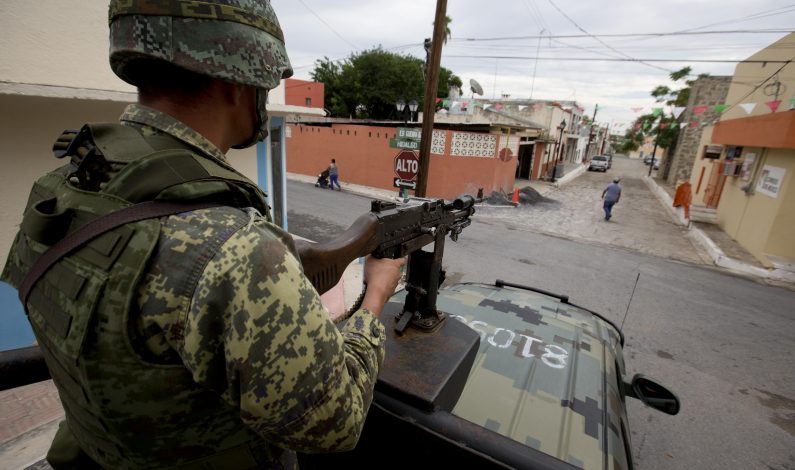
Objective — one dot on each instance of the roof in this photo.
(546, 374)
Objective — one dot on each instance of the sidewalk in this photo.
(721, 248)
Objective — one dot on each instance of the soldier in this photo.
(186, 335)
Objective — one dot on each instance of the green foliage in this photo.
(649, 124)
(367, 84)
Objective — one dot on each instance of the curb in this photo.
(717, 255)
(570, 176)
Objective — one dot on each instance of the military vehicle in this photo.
(543, 387)
(485, 376)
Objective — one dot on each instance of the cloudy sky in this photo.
(495, 42)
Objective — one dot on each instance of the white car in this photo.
(599, 162)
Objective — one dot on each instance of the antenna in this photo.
(630, 300)
(475, 87)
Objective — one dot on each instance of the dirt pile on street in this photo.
(527, 196)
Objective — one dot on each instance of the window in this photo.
(712, 152)
(308, 101)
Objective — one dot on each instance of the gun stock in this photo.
(324, 263)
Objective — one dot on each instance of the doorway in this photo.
(525, 161)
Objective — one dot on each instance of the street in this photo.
(721, 342)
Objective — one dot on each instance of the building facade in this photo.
(707, 92)
(745, 169)
(461, 162)
(304, 93)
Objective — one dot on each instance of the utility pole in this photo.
(429, 107)
(654, 151)
(590, 132)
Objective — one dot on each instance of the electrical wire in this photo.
(629, 35)
(328, 25)
(761, 84)
(617, 59)
(604, 43)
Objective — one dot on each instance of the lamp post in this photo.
(402, 106)
(654, 151)
(562, 127)
(412, 109)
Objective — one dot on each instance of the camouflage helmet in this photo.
(238, 41)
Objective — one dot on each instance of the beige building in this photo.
(746, 162)
(54, 75)
(647, 149)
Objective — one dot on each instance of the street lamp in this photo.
(562, 127)
(401, 106)
(412, 109)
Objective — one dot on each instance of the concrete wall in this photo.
(761, 224)
(707, 91)
(364, 157)
(28, 128)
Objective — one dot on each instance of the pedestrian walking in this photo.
(611, 196)
(333, 173)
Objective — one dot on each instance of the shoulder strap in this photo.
(95, 228)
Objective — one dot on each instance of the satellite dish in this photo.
(475, 87)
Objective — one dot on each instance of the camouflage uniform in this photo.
(309, 385)
(226, 316)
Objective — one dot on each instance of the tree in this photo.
(667, 130)
(367, 84)
(447, 33)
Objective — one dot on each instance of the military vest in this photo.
(80, 309)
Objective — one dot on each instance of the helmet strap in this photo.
(261, 131)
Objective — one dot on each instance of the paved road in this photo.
(723, 343)
(639, 222)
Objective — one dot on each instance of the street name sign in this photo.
(404, 144)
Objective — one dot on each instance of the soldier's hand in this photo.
(382, 277)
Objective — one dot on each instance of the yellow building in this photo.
(746, 162)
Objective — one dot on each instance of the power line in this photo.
(328, 25)
(629, 35)
(763, 82)
(616, 59)
(604, 43)
(753, 16)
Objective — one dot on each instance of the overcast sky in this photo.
(337, 28)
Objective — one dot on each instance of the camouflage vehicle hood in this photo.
(547, 374)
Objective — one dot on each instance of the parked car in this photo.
(657, 163)
(599, 162)
(647, 160)
(609, 161)
(544, 387)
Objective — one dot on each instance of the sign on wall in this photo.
(748, 165)
(770, 180)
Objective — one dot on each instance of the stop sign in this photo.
(407, 165)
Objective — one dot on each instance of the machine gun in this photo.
(391, 231)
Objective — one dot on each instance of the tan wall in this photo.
(29, 126)
(57, 42)
(364, 157)
(781, 242)
(61, 48)
(748, 76)
(749, 219)
(699, 164)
